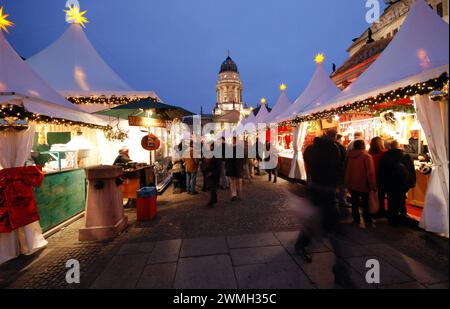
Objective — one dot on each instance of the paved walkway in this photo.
(246, 244)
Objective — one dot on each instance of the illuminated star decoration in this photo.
(319, 58)
(283, 87)
(74, 16)
(4, 23)
(263, 100)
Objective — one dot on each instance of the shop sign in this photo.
(146, 122)
(150, 142)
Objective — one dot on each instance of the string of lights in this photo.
(107, 100)
(19, 113)
(438, 83)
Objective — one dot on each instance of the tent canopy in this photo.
(140, 107)
(283, 103)
(418, 52)
(320, 89)
(72, 65)
(18, 78)
(20, 85)
(262, 114)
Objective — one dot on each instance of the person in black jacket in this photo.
(325, 166)
(234, 170)
(212, 170)
(396, 176)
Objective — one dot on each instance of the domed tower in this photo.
(228, 89)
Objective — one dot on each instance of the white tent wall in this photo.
(433, 117)
(16, 146)
(298, 170)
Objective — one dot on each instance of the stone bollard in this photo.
(105, 218)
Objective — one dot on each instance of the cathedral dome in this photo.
(228, 66)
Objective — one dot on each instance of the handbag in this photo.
(374, 204)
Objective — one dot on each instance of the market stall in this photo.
(318, 91)
(27, 105)
(413, 67)
(153, 119)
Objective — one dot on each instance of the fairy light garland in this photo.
(112, 100)
(423, 88)
(21, 114)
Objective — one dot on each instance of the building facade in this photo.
(228, 92)
(367, 48)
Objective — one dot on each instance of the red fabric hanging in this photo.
(17, 203)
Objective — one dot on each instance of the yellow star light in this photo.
(74, 15)
(263, 100)
(4, 23)
(319, 58)
(283, 87)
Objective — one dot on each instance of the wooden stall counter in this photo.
(416, 196)
(284, 166)
(136, 178)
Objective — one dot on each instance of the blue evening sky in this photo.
(175, 47)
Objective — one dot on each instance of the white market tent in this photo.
(73, 67)
(283, 103)
(418, 52)
(240, 128)
(262, 114)
(20, 85)
(319, 90)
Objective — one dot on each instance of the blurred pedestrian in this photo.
(324, 164)
(212, 169)
(234, 171)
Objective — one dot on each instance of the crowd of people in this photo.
(363, 178)
(226, 173)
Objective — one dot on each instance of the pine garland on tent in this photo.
(438, 83)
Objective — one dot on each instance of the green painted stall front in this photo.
(60, 197)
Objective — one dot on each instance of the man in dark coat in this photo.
(212, 170)
(396, 176)
(234, 171)
(325, 166)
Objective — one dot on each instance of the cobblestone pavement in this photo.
(245, 244)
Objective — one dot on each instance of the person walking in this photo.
(377, 151)
(212, 168)
(397, 176)
(360, 180)
(223, 174)
(234, 171)
(191, 167)
(324, 165)
(271, 171)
